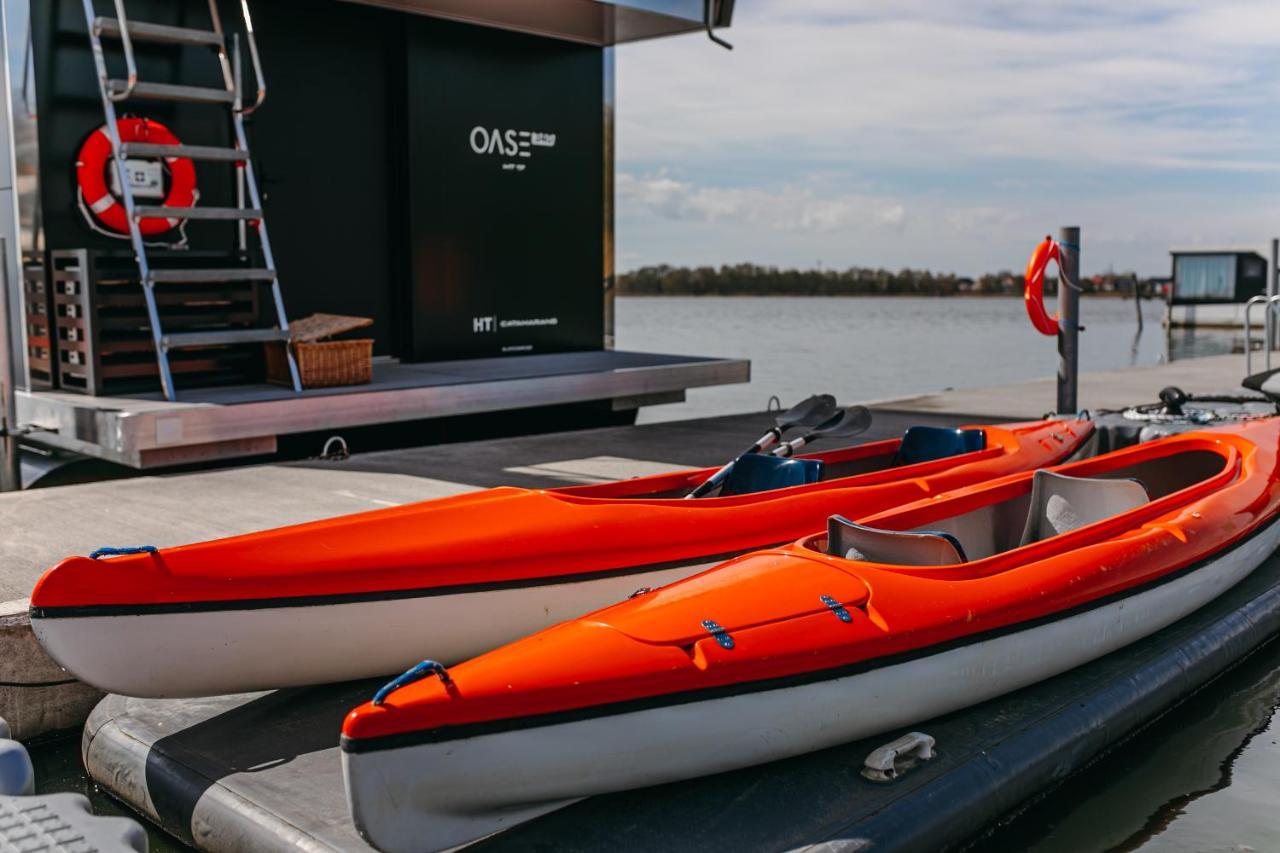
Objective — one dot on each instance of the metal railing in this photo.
(131, 67)
(1270, 302)
(230, 76)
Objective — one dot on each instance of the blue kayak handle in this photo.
(122, 552)
(417, 672)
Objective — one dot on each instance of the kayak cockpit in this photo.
(926, 449)
(1032, 509)
(919, 445)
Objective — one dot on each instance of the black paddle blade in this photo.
(810, 412)
(847, 422)
(1266, 383)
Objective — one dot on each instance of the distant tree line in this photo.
(755, 280)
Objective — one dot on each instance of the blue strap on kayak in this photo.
(417, 672)
(122, 552)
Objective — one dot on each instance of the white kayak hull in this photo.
(237, 650)
(439, 795)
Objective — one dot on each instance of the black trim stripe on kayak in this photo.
(87, 610)
(470, 730)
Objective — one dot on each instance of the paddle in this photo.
(847, 422)
(811, 411)
(1265, 383)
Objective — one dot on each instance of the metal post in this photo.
(242, 226)
(609, 277)
(1273, 280)
(1137, 301)
(1069, 324)
(10, 462)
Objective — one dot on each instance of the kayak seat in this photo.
(1060, 504)
(855, 541)
(927, 443)
(757, 472)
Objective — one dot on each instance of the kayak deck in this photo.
(263, 770)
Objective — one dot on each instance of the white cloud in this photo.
(982, 119)
(982, 218)
(788, 208)
(895, 216)
(951, 84)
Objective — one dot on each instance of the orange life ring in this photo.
(91, 177)
(1033, 290)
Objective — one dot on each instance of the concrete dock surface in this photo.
(1099, 391)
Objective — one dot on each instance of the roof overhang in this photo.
(584, 21)
(1226, 250)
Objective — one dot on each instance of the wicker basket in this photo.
(323, 364)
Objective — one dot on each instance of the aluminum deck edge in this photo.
(144, 433)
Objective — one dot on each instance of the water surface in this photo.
(1203, 778)
(878, 348)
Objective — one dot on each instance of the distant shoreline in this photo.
(749, 280)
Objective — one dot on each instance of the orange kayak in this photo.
(914, 612)
(369, 594)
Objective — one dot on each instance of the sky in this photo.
(952, 136)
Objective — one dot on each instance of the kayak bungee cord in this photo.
(417, 672)
(108, 551)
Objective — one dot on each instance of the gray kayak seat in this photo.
(892, 547)
(1060, 504)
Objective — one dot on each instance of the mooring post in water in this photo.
(1069, 324)
(1137, 301)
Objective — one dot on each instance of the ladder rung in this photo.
(192, 152)
(151, 212)
(160, 33)
(205, 276)
(168, 92)
(185, 340)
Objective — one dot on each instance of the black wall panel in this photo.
(507, 241)
(377, 201)
(324, 143)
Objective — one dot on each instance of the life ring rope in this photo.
(104, 212)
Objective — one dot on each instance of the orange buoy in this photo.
(1033, 289)
(104, 208)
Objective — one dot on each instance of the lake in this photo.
(880, 348)
(1205, 777)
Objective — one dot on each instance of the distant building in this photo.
(1210, 287)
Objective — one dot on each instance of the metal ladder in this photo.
(230, 96)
